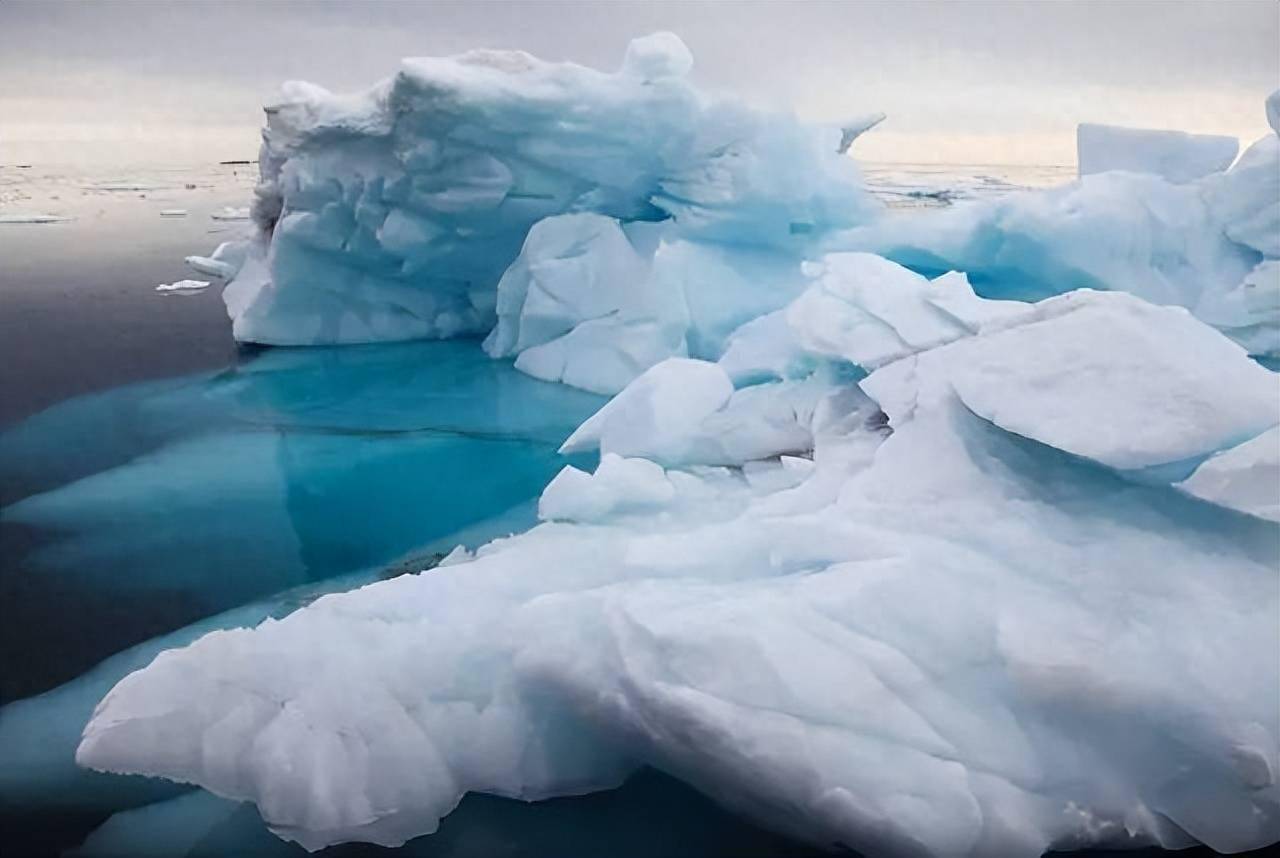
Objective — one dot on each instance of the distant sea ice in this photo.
(231, 213)
(32, 218)
(183, 286)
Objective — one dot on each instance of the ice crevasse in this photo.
(901, 563)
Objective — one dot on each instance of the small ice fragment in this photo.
(173, 213)
(856, 127)
(183, 286)
(32, 218)
(231, 213)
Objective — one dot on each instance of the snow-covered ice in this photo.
(1173, 155)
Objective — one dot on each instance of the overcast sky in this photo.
(962, 82)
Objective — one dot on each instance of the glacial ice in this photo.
(944, 636)
(1173, 155)
(930, 535)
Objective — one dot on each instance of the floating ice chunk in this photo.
(225, 261)
(579, 306)
(32, 218)
(1104, 376)
(183, 286)
(870, 311)
(1245, 477)
(686, 411)
(1174, 155)
(231, 213)
(618, 486)
(657, 412)
(763, 349)
(855, 128)
(593, 303)
(173, 213)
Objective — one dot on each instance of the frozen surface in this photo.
(394, 213)
(953, 625)
(1173, 155)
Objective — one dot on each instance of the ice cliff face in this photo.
(874, 558)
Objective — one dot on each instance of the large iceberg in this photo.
(392, 214)
(969, 553)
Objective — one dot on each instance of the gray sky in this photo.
(962, 82)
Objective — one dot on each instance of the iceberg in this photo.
(948, 534)
(1173, 155)
(394, 213)
(975, 617)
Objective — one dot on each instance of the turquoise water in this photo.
(143, 508)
